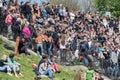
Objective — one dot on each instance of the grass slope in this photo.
(26, 68)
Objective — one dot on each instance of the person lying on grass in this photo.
(4, 66)
(15, 66)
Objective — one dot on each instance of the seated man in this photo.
(14, 65)
(36, 68)
(4, 66)
(45, 68)
(42, 60)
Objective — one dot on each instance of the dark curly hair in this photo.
(11, 55)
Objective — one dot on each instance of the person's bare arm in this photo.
(84, 76)
(7, 63)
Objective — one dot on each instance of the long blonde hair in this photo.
(50, 39)
(78, 76)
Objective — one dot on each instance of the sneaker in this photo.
(20, 75)
(16, 76)
(9, 73)
(38, 78)
(58, 71)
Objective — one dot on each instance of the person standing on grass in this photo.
(50, 46)
(8, 21)
(27, 34)
(62, 47)
(39, 41)
(17, 32)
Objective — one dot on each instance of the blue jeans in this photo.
(40, 46)
(36, 71)
(4, 68)
(29, 17)
(29, 42)
(107, 71)
(24, 49)
(115, 71)
(86, 62)
(15, 67)
(48, 72)
(63, 55)
(50, 50)
(44, 12)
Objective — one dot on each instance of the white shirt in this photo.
(62, 46)
(114, 57)
(89, 43)
(69, 39)
(105, 23)
(64, 13)
(1, 4)
(72, 16)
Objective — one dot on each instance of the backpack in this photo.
(9, 19)
(8, 47)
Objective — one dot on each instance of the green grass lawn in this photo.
(26, 68)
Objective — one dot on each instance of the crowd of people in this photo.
(56, 30)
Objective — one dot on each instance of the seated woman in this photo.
(4, 66)
(22, 48)
(53, 64)
(14, 65)
(45, 69)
